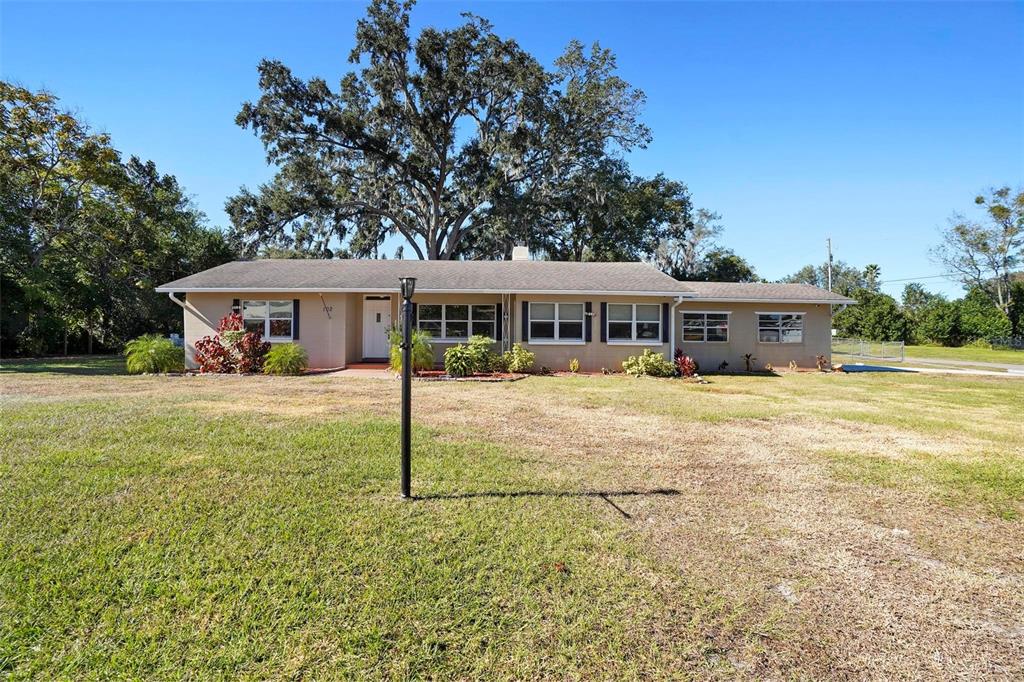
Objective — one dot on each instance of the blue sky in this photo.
(866, 122)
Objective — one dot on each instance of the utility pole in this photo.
(828, 243)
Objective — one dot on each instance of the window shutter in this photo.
(236, 306)
(295, 319)
(588, 321)
(526, 321)
(604, 322)
(664, 322)
(498, 323)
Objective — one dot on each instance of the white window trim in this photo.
(728, 324)
(633, 341)
(780, 342)
(470, 321)
(557, 341)
(266, 320)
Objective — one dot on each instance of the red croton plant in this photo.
(232, 349)
(685, 365)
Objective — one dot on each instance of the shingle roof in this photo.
(435, 276)
(733, 291)
(481, 276)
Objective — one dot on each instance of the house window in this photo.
(780, 327)
(705, 327)
(456, 320)
(556, 322)
(271, 319)
(634, 322)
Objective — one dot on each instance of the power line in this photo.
(914, 279)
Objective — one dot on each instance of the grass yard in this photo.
(968, 353)
(799, 526)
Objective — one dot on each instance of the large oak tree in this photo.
(449, 139)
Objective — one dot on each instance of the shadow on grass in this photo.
(85, 365)
(602, 494)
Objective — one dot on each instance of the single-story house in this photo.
(598, 313)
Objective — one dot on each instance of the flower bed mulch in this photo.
(439, 375)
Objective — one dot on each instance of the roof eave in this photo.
(164, 289)
(821, 301)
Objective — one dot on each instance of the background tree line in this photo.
(984, 255)
(85, 235)
(457, 144)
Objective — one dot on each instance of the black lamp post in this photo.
(408, 287)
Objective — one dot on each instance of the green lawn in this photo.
(144, 538)
(86, 365)
(968, 353)
(567, 527)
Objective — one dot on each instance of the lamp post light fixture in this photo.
(408, 286)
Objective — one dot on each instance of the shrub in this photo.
(458, 361)
(980, 318)
(153, 354)
(480, 349)
(685, 365)
(286, 358)
(231, 349)
(649, 364)
(422, 350)
(212, 357)
(574, 365)
(519, 359)
(940, 323)
(499, 362)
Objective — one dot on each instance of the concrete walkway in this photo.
(368, 372)
(967, 363)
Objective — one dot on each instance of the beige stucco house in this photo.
(598, 313)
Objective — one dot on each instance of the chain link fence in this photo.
(893, 351)
(1015, 342)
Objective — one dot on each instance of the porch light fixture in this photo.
(408, 286)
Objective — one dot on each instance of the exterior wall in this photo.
(336, 340)
(324, 337)
(743, 338)
(593, 356)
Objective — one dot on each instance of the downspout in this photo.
(672, 329)
(184, 306)
(170, 295)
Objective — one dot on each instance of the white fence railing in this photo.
(872, 350)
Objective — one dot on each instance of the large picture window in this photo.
(272, 319)
(780, 327)
(556, 322)
(456, 320)
(634, 322)
(705, 327)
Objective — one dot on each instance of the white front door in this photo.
(376, 322)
